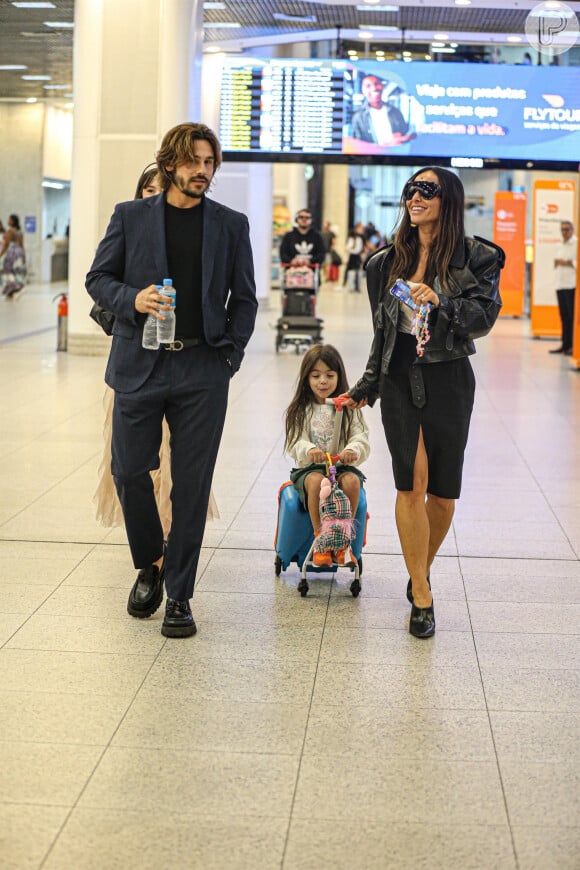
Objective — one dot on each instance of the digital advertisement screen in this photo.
(341, 109)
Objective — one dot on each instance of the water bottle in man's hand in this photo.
(150, 340)
(166, 327)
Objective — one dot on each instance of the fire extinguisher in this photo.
(62, 321)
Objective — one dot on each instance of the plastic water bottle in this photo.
(166, 327)
(150, 340)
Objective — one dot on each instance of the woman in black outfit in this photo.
(421, 370)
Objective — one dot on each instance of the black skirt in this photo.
(436, 398)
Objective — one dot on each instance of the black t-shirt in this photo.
(184, 236)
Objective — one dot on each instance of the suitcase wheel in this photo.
(355, 588)
(278, 565)
(303, 588)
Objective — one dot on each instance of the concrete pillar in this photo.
(335, 202)
(134, 78)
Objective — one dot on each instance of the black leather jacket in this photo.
(469, 311)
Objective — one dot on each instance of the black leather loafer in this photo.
(410, 589)
(422, 622)
(147, 592)
(178, 621)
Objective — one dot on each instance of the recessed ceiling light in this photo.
(36, 78)
(437, 45)
(463, 2)
(61, 24)
(374, 8)
(214, 4)
(221, 24)
(31, 100)
(212, 49)
(282, 16)
(440, 37)
(379, 27)
(33, 5)
(514, 39)
(56, 87)
(365, 34)
(8, 66)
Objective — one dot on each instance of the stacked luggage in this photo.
(298, 326)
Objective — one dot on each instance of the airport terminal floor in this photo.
(295, 733)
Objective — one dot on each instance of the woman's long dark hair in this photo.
(304, 398)
(451, 232)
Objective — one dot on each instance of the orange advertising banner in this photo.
(576, 333)
(554, 201)
(509, 232)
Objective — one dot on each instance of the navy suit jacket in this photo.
(132, 255)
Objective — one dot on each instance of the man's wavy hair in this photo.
(178, 147)
(451, 232)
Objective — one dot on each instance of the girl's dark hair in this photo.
(15, 221)
(303, 397)
(451, 232)
(145, 179)
(178, 146)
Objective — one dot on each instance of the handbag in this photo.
(104, 318)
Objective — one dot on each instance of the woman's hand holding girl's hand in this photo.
(350, 403)
(316, 455)
(422, 293)
(347, 457)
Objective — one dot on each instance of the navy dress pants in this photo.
(566, 305)
(189, 388)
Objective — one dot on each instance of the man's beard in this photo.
(181, 185)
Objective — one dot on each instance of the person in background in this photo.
(108, 506)
(328, 235)
(355, 246)
(419, 364)
(205, 248)
(302, 246)
(13, 274)
(565, 267)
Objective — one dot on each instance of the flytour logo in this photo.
(552, 28)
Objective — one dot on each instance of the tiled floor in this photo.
(290, 733)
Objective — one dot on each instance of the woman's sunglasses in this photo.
(425, 189)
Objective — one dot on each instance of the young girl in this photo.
(310, 429)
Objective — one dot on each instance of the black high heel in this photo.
(410, 589)
(422, 622)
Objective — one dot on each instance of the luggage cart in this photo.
(294, 539)
(298, 326)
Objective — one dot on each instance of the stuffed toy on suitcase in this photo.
(337, 527)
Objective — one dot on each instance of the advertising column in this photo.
(554, 201)
(576, 333)
(509, 232)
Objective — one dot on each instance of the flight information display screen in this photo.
(395, 109)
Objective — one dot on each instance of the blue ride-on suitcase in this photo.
(294, 538)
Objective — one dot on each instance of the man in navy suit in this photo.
(205, 248)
